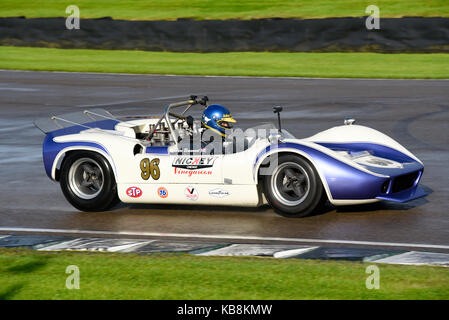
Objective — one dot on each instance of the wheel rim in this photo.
(86, 178)
(290, 183)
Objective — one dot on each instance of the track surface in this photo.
(414, 112)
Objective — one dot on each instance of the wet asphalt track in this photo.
(414, 112)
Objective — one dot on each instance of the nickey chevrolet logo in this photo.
(193, 163)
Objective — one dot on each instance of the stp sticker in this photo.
(191, 193)
(162, 192)
(134, 192)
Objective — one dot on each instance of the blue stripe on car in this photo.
(157, 150)
(102, 124)
(51, 148)
(345, 182)
(408, 164)
(375, 149)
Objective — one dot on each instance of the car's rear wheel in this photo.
(88, 182)
(293, 187)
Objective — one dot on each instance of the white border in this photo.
(224, 237)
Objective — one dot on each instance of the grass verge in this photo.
(26, 274)
(229, 9)
(328, 65)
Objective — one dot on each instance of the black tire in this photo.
(88, 182)
(293, 188)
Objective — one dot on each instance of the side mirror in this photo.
(349, 121)
(277, 109)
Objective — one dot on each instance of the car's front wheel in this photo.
(293, 187)
(87, 181)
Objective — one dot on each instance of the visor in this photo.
(225, 124)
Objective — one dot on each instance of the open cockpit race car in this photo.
(99, 160)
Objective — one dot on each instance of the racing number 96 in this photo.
(150, 169)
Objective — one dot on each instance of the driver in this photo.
(218, 119)
(215, 121)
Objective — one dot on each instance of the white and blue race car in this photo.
(100, 160)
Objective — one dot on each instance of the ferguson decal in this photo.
(190, 172)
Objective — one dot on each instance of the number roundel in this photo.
(150, 169)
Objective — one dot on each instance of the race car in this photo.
(99, 160)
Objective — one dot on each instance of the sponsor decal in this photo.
(191, 193)
(219, 193)
(134, 192)
(192, 173)
(162, 192)
(193, 163)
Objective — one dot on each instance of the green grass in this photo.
(215, 9)
(26, 274)
(346, 65)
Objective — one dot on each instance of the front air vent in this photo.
(404, 182)
(137, 149)
(385, 186)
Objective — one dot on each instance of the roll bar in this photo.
(193, 100)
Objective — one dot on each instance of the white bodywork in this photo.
(233, 178)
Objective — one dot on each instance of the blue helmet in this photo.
(217, 118)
